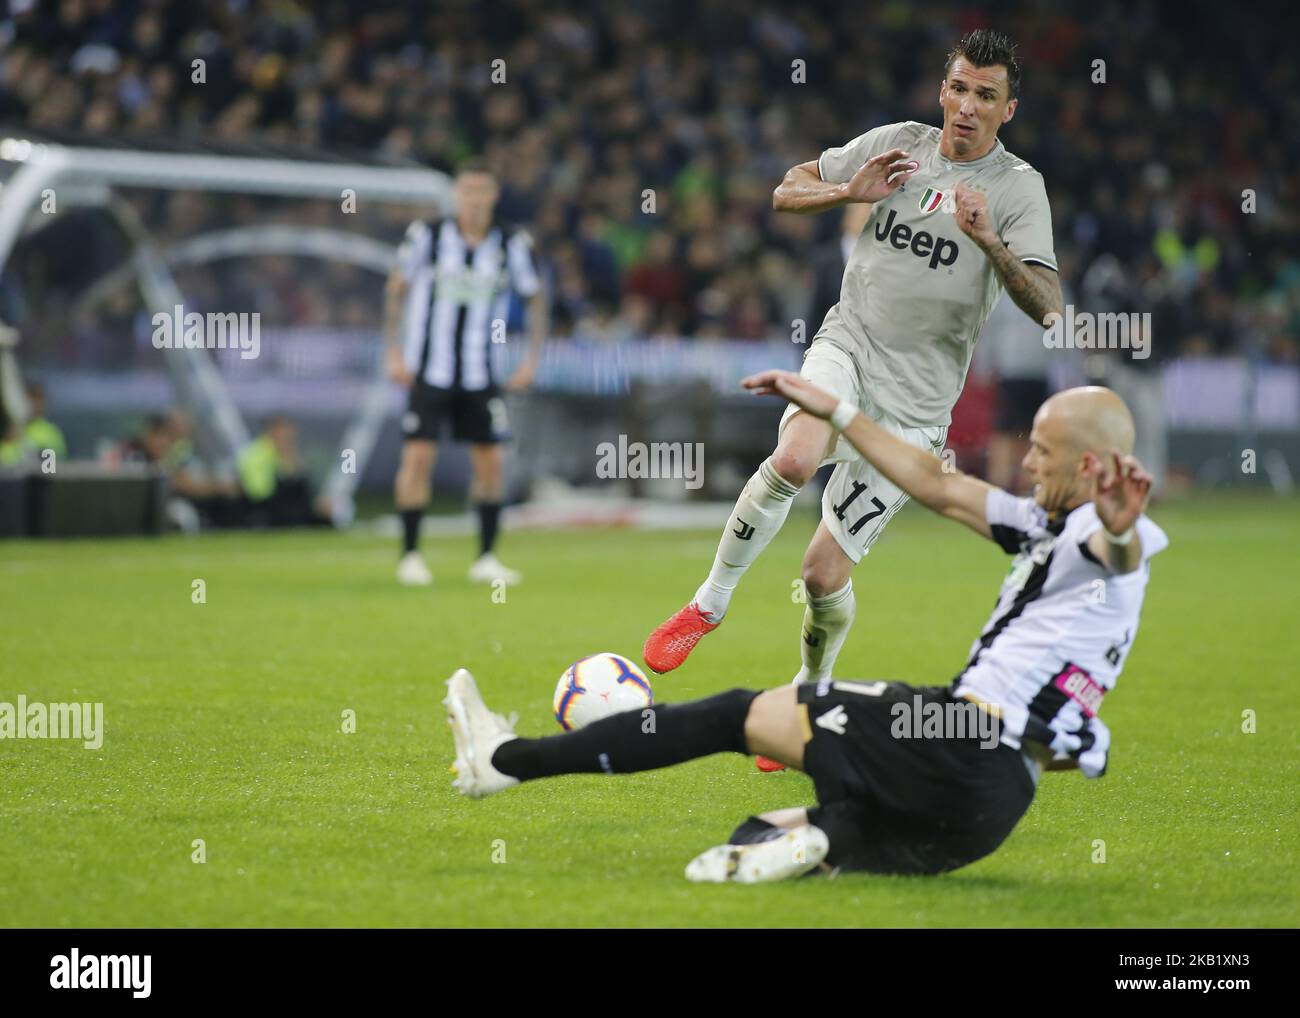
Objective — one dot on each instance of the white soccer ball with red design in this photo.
(597, 686)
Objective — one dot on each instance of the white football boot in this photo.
(792, 854)
(412, 572)
(489, 569)
(477, 732)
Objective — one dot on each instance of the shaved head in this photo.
(1067, 428)
(1091, 418)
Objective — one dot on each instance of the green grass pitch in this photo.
(223, 723)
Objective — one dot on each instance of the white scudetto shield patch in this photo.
(932, 199)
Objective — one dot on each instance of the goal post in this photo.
(42, 177)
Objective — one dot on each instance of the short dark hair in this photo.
(984, 48)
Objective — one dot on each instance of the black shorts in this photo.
(1018, 401)
(894, 804)
(475, 415)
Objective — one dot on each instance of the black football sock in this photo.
(411, 528)
(754, 830)
(634, 740)
(489, 519)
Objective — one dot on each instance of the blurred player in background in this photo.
(1013, 349)
(955, 219)
(447, 301)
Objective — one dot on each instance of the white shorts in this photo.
(858, 500)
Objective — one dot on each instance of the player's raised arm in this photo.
(803, 190)
(1029, 281)
(1120, 495)
(923, 476)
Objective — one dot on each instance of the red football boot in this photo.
(767, 764)
(670, 644)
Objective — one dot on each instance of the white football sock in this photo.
(826, 622)
(760, 511)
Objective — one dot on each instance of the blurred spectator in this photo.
(150, 446)
(11, 442)
(659, 280)
(27, 440)
(644, 154)
(1107, 288)
(271, 473)
(198, 497)
(41, 433)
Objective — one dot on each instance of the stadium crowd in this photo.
(641, 142)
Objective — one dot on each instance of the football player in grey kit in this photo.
(955, 219)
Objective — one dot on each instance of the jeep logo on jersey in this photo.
(940, 250)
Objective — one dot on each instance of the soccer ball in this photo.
(597, 686)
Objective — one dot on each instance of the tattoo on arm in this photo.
(1035, 288)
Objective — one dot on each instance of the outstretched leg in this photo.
(490, 757)
(759, 514)
(659, 736)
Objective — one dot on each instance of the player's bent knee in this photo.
(794, 464)
(772, 726)
(822, 575)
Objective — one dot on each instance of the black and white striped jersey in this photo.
(458, 299)
(1061, 631)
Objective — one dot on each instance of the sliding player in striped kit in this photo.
(449, 294)
(955, 219)
(910, 779)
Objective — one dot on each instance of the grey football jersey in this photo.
(917, 290)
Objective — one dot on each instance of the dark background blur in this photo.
(695, 100)
(1166, 134)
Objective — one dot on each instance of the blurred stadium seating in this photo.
(1147, 173)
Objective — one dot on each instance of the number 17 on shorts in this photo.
(859, 500)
